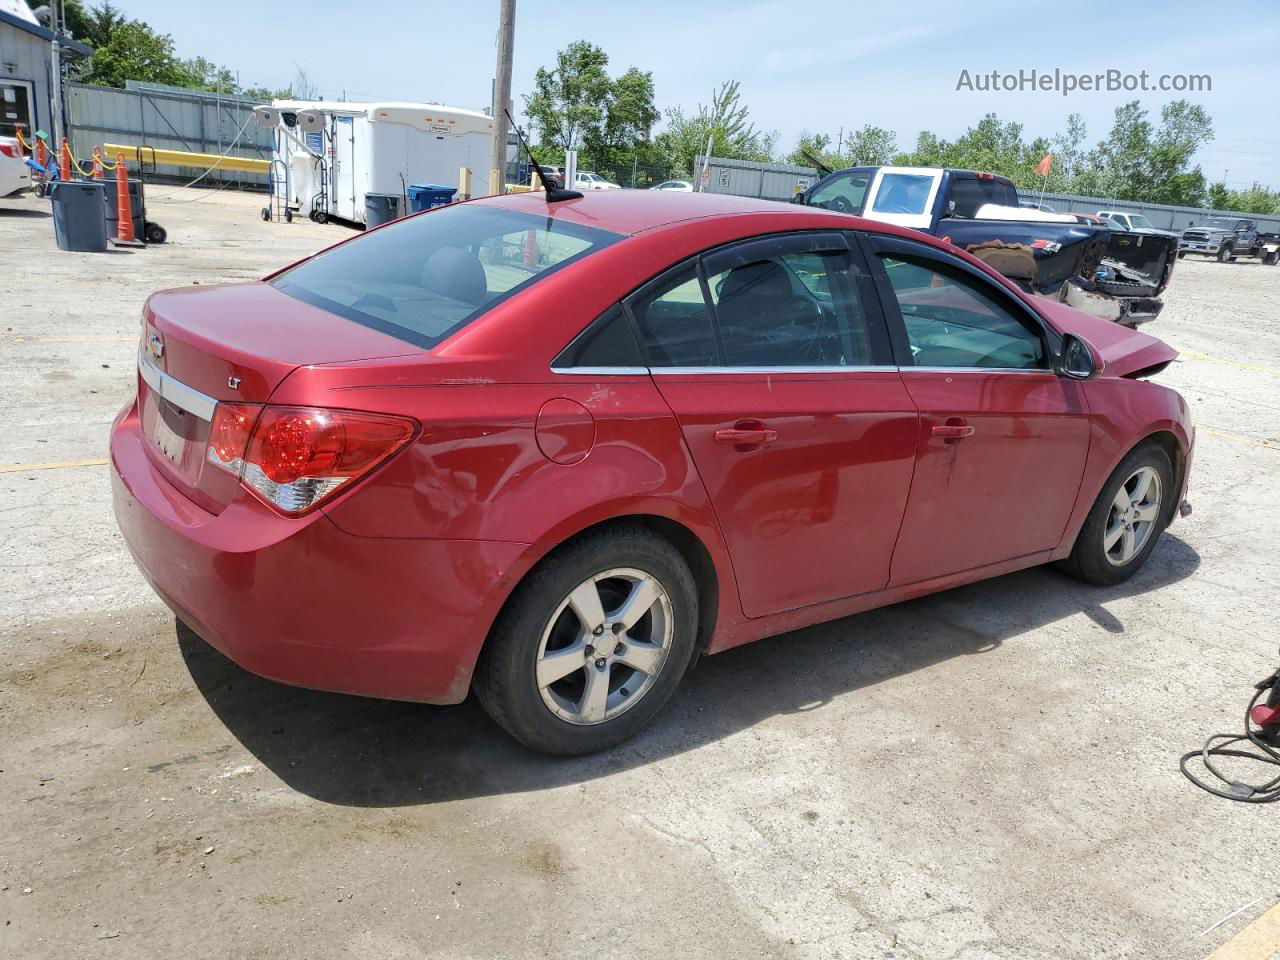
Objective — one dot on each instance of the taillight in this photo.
(294, 457)
(9, 150)
(229, 434)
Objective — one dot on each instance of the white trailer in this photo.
(332, 154)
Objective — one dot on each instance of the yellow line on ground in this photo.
(1239, 438)
(27, 467)
(1270, 371)
(74, 339)
(1258, 941)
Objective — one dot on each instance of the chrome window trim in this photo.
(771, 370)
(1022, 370)
(645, 371)
(175, 391)
(602, 371)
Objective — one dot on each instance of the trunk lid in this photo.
(252, 332)
(232, 343)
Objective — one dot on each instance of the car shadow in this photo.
(24, 212)
(356, 751)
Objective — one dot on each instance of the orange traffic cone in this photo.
(64, 161)
(42, 153)
(125, 237)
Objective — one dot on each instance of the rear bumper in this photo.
(1130, 311)
(299, 601)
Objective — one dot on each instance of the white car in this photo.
(15, 175)
(593, 181)
(680, 186)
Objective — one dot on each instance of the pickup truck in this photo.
(1229, 237)
(1115, 274)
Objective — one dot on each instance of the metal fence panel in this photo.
(169, 118)
(747, 178)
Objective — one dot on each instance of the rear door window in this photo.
(674, 323)
(425, 277)
(793, 309)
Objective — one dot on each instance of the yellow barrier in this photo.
(181, 158)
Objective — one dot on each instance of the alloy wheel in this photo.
(1134, 513)
(604, 646)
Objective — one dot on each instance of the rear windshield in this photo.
(425, 278)
(971, 194)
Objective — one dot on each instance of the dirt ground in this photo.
(986, 773)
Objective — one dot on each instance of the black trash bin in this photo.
(77, 215)
(111, 208)
(380, 208)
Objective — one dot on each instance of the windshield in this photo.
(428, 276)
(1140, 222)
(1217, 223)
(902, 193)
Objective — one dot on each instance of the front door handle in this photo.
(954, 429)
(746, 433)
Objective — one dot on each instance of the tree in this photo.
(569, 103)
(1068, 153)
(1139, 162)
(101, 22)
(726, 121)
(630, 113)
(871, 146)
(136, 52)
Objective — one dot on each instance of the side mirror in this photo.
(1077, 359)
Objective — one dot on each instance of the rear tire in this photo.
(549, 707)
(1113, 543)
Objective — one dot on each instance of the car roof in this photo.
(629, 212)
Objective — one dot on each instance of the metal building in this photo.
(26, 71)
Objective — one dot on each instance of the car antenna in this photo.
(554, 193)
(822, 167)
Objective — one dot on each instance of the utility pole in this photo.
(56, 74)
(502, 95)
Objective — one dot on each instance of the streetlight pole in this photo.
(501, 96)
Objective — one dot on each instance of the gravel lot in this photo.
(986, 773)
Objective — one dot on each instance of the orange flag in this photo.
(1045, 164)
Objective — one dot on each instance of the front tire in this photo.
(591, 646)
(1224, 253)
(1126, 520)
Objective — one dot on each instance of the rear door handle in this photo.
(746, 435)
(953, 429)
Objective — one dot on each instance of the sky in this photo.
(802, 67)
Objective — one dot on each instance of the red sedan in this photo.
(554, 451)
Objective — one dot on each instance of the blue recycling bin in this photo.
(424, 196)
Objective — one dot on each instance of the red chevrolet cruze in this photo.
(554, 451)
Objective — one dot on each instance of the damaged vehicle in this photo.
(1114, 274)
